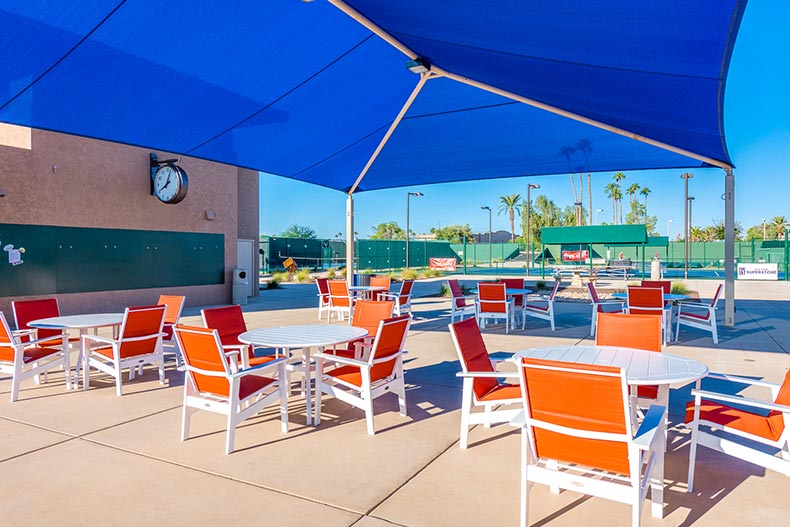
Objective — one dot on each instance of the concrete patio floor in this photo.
(84, 457)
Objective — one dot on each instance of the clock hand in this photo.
(165, 185)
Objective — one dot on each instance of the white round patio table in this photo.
(367, 290)
(641, 368)
(304, 337)
(82, 323)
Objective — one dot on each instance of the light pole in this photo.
(685, 177)
(530, 186)
(408, 233)
(596, 215)
(691, 223)
(669, 222)
(763, 228)
(490, 254)
(669, 239)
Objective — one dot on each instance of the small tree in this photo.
(389, 230)
(299, 231)
(454, 233)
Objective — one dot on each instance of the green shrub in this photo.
(302, 275)
(540, 285)
(445, 291)
(394, 276)
(275, 280)
(409, 274)
(433, 273)
(331, 274)
(680, 288)
(368, 271)
(343, 274)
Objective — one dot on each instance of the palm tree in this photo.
(632, 191)
(618, 196)
(610, 190)
(780, 224)
(697, 234)
(567, 152)
(510, 205)
(645, 192)
(618, 177)
(585, 146)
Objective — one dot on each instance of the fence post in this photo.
(465, 255)
(786, 255)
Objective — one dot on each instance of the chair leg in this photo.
(593, 321)
(368, 407)
(162, 371)
(15, 379)
(524, 482)
(283, 390)
(186, 417)
(713, 329)
(319, 379)
(401, 392)
(230, 436)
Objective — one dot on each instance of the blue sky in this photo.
(757, 128)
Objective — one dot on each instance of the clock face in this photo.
(170, 184)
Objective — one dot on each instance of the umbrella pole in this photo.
(350, 240)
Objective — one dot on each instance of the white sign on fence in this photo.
(758, 271)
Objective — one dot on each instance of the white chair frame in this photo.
(341, 311)
(398, 308)
(734, 448)
(362, 396)
(665, 312)
(236, 410)
(172, 343)
(20, 371)
(492, 413)
(708, 324)
(115, 366)
(646, 446)
(469, 309)
(537, 312)
(604, 304)
(509, 315)
(324, 305)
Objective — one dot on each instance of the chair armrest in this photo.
(519, 421)
(26, 332)
(741, 380)
(487, 374)
(254, 369)
(681, 305)
(741, 400)
(389, 294)
(646, 434)
(99, 338)
(341, 360)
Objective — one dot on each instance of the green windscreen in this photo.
(76, 260)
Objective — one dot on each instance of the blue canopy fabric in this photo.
(304, 91)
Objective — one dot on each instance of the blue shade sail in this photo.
(303, 91)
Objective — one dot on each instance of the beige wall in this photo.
(69, 181)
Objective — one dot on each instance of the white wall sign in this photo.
(758, 271)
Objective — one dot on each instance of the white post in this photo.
(729, 247)
(350, 240)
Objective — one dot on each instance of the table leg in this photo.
(657, 481)
(66, 358)
(308, 389)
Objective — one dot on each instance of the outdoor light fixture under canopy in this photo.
(418, 65)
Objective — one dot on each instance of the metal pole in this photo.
(490, 247)
(787, 253)
(685, 177)
(465, 255)
(350, 240)
(691, 224)
(408, 195)
(729, 247)
(530, 186)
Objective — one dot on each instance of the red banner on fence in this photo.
(575, 256)
(443, 264)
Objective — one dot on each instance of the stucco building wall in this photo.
(64, 180)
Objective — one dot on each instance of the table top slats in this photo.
(302, 336)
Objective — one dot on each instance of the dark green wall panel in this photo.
(74, 260)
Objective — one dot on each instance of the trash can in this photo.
(655, 270)
(241, 286)
(362, 279)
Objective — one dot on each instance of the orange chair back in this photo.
(515, 283)
(581, 397)
(380, 280)
(140, 322)
(173, 307)
(228, 321)
(390, 338)
(492, 297)
(405, 291)
(323, 289)
(473, 354)
(649, 299)
(338, 292)
(665, 285)
(202, 349)
(369, 313)
(629, 331)
(6, 337)
(457, 292)
(28, 310)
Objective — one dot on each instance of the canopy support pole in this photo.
(729, 247)
(350, 240)
(423, 78)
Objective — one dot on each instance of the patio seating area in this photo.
(77, 448)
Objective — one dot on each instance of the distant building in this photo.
(496, 237)
(429, 236)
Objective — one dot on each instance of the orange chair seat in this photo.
(125, 352)
(698, 316)
(502, 392)
(56, 342)
(769, 427)
(647, 392)
(251, 384)
(353, 374)
(257, 361)
(30, 354)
